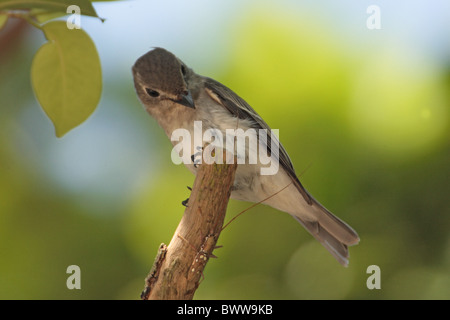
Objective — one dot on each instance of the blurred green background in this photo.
(366, 111)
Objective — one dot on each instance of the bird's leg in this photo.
(197, 157)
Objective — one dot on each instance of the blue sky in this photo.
(199, 28)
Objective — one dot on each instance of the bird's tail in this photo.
(334, 234)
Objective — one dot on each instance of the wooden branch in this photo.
(179, 266)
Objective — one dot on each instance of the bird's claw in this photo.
(197, 157)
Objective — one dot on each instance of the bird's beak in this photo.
(186, 100)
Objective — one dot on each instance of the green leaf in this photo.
(86, 7)
(3, 19)
(66, 76)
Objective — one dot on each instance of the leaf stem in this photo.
(27, 17)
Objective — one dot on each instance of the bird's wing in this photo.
(242, 110)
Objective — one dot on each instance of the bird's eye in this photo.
(152, 93)
(183, 70)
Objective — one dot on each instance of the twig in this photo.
(177, 271)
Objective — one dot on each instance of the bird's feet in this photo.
(197, 157)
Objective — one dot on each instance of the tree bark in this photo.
(179, 266)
